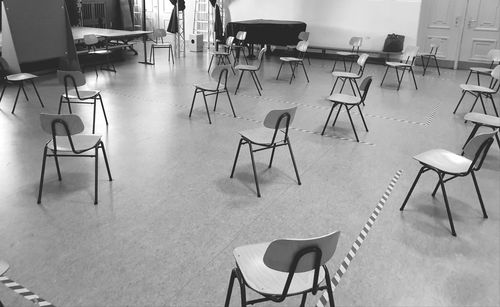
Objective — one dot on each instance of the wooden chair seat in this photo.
(444, 160)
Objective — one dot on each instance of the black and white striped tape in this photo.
(24, 292)
(359, 240)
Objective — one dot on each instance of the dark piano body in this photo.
(269, 32)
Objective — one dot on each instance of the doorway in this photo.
(467, 30)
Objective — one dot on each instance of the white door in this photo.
(442, 20)
(481, 30)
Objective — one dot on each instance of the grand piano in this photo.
(268, 32)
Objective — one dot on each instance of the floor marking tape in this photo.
(323, 300)
(298, 129)
(24, 292)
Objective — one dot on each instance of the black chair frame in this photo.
(355, 51)
(272, 146)
(155, 46)
(236, 274)
(478, 73)
(494, 83)
(354, 87)
(81, 100)
(235, 50)
(431, 55)
(348, 109)
(20, 85)
(480, 155)
(221, 59)
(403, 68)
(77, 153)
(294, 65)
(223, 74)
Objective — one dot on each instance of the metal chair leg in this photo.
(93, 117)
(485, 215)
(329, 289)
(412, 187)
(352, 124)
(272, 156)
(15, 102)
(337, 116)
(328, 119)
(230, 287)
(206, 107)
(239, 81)
(254, 81)
(460, 101)
(3, 91)
(279, 70)
(192, 103)
(468, 77)
(96, 188)
(363, 118)
(254, 170)
(334, 84)
(413, 76)
(42, 174)
(450, 218)
(293, 161)
(37, 94)
(494, 106)
(437, 65)
(385, 74)
(230, 103)
(102, 107)
(56, 159)
(106, 161)
(236, 157)
(303, 300)
(305, 72)
(211, 60)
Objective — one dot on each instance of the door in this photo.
(442, 20)
(481, 30)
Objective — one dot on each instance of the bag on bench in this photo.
(394, 43)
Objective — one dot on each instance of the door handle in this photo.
(471, 21)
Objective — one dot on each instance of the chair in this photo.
(303, 36)
(350, 76)
(240, 44)
(273, 134)
(68, 141)
(283, 268)
(74, 92)
(16, 79)
(215, 87)
(91, 41)
(480, 120)
(480, 91)
(4, 266)
(349, 102)
(355, 42)
(294, 62)
(158, 36)
(446, 163)
(494, 56)
(223, 55)
(406, 63)
(432, 54)
(252, 69)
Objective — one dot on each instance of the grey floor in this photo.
(164, 229)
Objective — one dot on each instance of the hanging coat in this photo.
(218, 28)
(173, 24)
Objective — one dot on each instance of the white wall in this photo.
(333, 22)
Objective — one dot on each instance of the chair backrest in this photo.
(409, 54)
(496, 72)
(159, 33)
(302, 46)
(4, 68)
(279, 119)
(356, 41)
(75, 78)
(90, 39)
(364, 87)
(303, 36)
(241, 35)
(229, 41)
(494, 55)
(362, 59)
(56, 124)
(281, 254)
(261, 55)
(219, 74)
(495, 79)
(477, 148)
(434, 44)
